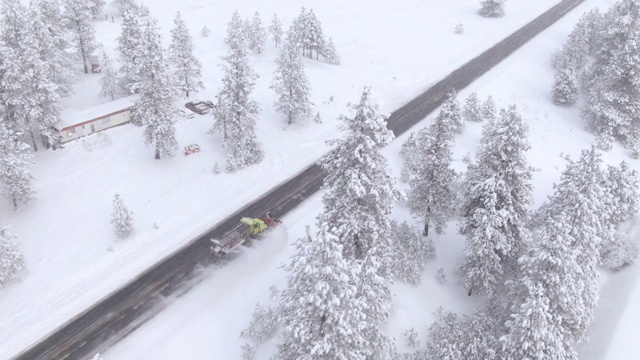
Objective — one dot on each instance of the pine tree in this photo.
(49, 80)
(532, 331)
(613, 87)
(123, 5)
(15, 161)
(472, 111)
(330, 54)
(445, 337)
(565, 86)
(276, 29)
(428, 157)
(155, 108)
(121, 218)
(96, 6)
(495, 206)
(578, 207)
(410, 253)
(451, 113)
(359, 195)
(306, 30)
(29, 87)
(622, 195)
(236, 113)
(109, 83)
(79, 15)
(488, 109)
(257, 34)
(492, 8)
(54, 45)
(236, 34)
(12, 261)
(314, 39)
(291, 85)
(131, 47)
(188, 69)
(359, 182)
(543, 310)
(622, 186)
(318, 310)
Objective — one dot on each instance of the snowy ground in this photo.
(398, 48)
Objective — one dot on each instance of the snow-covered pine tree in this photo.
(546, 301)
(154, 108)
(621, 183)
(257, 34)
(297, 30)
(488, 109)
(12, 261)
(319, 312)
(359, 195)
(623, 194)
(579, 207)
(410, 252)
(451, 113)
(291, 85)
(359, 182)
(472, 111)
(445, 337)
(428, 156)
(121, 218)
(236, 113)
(15, 161)
(495, 206)
(123, 5)
(618, 254)
(492, 8)
(79, 17)
(109, 83)
(572, 60)
(330, 54)
(275, 29)
(188, 69)
(29, 91)
(131, 47)
(613, 86)
(205, 31)
(55, 51)
(314, 39)
(565, 86)
(532, 331)
(96, 7)
(236, 34)
(49, 80)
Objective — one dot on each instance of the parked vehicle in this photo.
(199, 106)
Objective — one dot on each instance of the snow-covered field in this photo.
(399, 48)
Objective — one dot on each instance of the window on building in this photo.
(106, 120)
(71, 131)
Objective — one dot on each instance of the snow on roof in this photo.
(76, 116)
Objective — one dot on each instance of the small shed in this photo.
(78, 123)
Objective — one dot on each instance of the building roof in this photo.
(75, 117)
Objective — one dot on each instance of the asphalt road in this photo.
(120, 313)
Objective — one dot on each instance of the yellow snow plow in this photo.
(248, 228)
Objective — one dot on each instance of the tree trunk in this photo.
(186, 84)
(33, 140)
(84, 55)
(15, 202)
(157, 153)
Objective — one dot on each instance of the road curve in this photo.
(123, 311)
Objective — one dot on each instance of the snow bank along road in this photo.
(129, 307)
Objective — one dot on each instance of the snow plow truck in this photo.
(248, 228)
